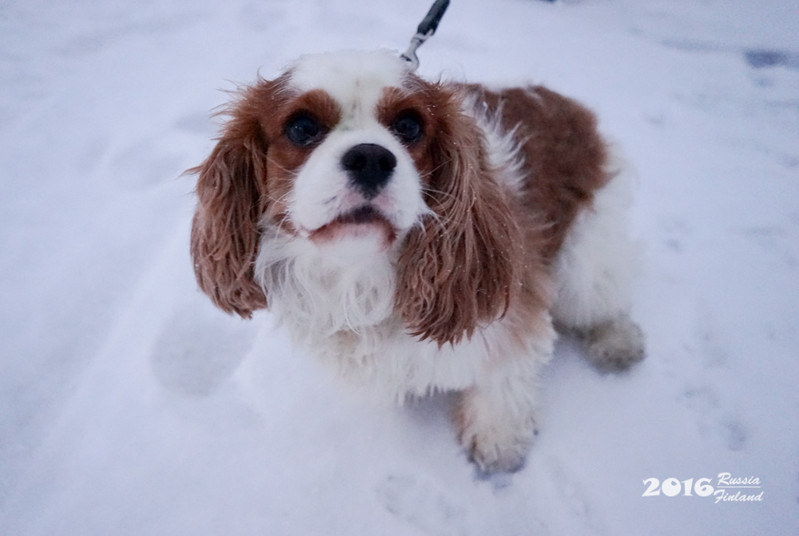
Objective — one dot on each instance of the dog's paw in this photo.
(491, 455)
(616, 345)
(492, 441)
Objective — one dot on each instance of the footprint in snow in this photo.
(198, 349)
(574, 499)
(712, 420)
(761, 58)
(420, 504)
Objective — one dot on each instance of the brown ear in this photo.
(460, 267)
(224, 235)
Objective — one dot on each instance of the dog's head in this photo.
(352, 149)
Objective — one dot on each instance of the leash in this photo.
(424, 31)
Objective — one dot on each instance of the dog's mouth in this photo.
(355, 223)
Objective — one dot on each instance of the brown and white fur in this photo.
(420, 236)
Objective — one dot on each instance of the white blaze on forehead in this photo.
(354, 79)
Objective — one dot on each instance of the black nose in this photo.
(369, 166)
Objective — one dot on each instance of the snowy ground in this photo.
(128, 405)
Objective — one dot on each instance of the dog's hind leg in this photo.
(594, 271)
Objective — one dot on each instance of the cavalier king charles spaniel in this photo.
(422, 236)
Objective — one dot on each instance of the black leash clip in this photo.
(424, 31)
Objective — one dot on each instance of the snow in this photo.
(129, 405)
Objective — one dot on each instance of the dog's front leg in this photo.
(496, 418)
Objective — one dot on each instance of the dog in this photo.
(422, 236)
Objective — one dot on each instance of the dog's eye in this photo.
(408, 127)
(303, 130)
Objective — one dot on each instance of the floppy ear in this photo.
(459, 268)
(224, 235)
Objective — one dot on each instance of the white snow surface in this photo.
(130, 406)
